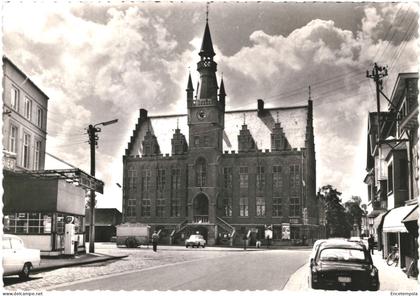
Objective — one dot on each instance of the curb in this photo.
(70, 264)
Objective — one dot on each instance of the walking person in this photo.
(371, 243)
(155, 238)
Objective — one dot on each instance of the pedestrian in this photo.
(258, 244)
(371, 243)
(155, 238)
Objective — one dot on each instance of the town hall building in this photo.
(229, 175)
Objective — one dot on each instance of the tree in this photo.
(354, 211)
(337, 224)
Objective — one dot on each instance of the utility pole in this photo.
(377, 73)
(93, 142)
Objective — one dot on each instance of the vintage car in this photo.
(18, 260)
(195, 240)
(343, 265)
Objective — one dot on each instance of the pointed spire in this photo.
(222, 88)
(190, 85)
(207, 44)
(310, 98)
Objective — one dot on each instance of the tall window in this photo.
(243, 177)
(40, 117)
(176, 179)
(13, 139)
(132, 179)
(131, 208)
(243, 207)
(403, 174)
(196, 141)
(37, 160)
(201, 173)
(294, 179)
(14, 98)
(390, 178)
(227, 207)
(26, 150)
(146, 180)
(260, 206)
(277, 179)
(227, 177)
(260, 177)
(145, 207)
(175, 208)
(277, 207)
(161, 179)
(28, 108)
(294, 206)
(160, 207)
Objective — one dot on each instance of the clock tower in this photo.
(206, 109)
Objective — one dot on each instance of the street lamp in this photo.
(93, 141)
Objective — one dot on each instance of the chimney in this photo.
(260, 107)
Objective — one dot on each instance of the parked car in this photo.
(342, 264)
(357, 239)
(195, 240)
(18, 260)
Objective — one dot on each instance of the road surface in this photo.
(258, 270)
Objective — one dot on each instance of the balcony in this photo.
(200, 219)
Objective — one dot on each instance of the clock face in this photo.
(201, 114)
(206, 64)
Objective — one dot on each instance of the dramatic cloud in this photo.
(100, 62)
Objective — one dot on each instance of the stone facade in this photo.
(205, 185)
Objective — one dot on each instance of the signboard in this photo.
(268, 234)
(285, 231)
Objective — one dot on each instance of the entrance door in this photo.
(201, 209)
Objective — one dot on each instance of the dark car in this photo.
(343, 265)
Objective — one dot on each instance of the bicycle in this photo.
(393, 257)
(413, 269)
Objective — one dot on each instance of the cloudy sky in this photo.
(100, 62)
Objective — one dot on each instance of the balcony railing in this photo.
(201, 219)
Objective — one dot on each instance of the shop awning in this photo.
(392, 221)
(378, 220)
(413, 216)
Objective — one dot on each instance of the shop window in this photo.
(243, 207)
(60, 224)
(243, 177)
(145, 207)
(294, 232)
(260, 206)
(27, 223)
(277, 207)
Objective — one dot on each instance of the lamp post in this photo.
(93, 141)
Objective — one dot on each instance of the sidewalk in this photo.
(51, 263)
(391, 278)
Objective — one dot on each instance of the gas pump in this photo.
(69, 237)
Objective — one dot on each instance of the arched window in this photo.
(201, 172)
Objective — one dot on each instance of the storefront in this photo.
(396, 234)
(411, 223)
(38, 205)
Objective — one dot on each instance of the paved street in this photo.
(174, 268)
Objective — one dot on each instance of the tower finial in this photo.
(244, 118)
(277, 116)
(177, 123)
(310, 93)
(207, 12)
